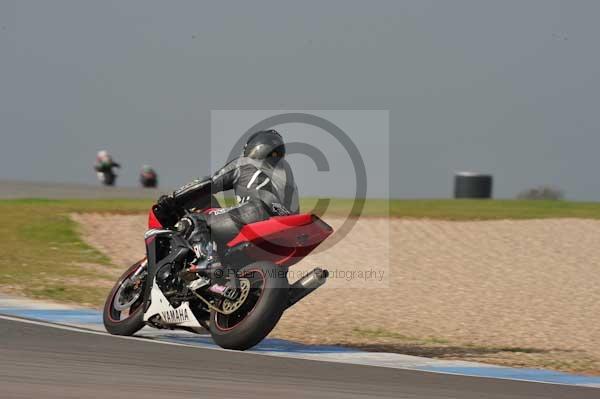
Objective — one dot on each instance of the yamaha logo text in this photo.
(175, 316)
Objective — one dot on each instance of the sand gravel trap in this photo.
(513, 292)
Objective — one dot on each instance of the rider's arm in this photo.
(169, 208)
(223, 180)
(226, 177)
(191, 192)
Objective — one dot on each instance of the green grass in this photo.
(41, 253)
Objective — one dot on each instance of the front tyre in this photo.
(123, 311)
(260, 311)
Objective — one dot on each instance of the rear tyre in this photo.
(123, 311)
(259, 313)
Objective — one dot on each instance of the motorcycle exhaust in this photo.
(306, 285)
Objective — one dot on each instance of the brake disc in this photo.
(230, 306)
(118, 304)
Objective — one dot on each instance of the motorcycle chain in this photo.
(231, 308)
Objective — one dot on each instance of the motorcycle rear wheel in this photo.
(260, 312)
(119, 301)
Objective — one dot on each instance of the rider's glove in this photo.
(167, 202)
(166, 211)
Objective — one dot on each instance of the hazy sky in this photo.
(506, 87)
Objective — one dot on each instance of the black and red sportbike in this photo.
(168, 289)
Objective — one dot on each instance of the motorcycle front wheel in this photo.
(123, 310)
(265, 292)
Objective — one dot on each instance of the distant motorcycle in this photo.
(104, 168)
(168, 289)
(148, 177)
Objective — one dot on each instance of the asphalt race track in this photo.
(42, 361)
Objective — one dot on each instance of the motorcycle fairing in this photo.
(284, 240)
(153, 222)
(182, 316)
(179, 250)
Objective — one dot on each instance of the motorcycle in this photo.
(107, 178)
(168, 289)
(104, 168)
(148, 177)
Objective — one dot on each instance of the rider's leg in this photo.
(220, 226)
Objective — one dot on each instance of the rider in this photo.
(104, 162)
(148, 176)
(261, 179)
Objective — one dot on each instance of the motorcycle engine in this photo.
(167, 280)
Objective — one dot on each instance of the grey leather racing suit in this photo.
(262, 188)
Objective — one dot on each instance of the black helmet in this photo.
(265, 144)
